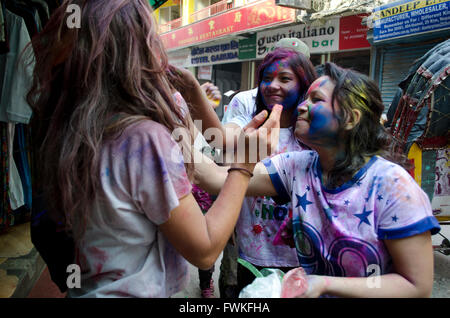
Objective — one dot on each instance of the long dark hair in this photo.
(368, 137)
(301, 66)
(89, 84)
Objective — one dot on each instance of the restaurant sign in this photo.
(253, 16)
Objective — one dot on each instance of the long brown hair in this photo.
(89, 83)
(354, 90)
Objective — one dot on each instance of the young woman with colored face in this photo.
(356, 213)
(283, 78)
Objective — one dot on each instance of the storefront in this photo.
(341, 40)
(401, 32)
(230, 62)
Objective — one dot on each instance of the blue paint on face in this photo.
(291, 99)
(323, 125)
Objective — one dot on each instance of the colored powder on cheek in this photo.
(320, 119)
(291, 98)
(322, 127)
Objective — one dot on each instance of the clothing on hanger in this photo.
(4, 47)
(15, 78)
(24, 11)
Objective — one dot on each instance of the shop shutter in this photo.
(396, 62)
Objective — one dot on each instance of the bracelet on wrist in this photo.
(242, 170)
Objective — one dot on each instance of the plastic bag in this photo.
(267, 286)
(274, 283)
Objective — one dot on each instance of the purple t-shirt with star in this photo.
(340, 232)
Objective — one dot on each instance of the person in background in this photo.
(361, 225)
(114, 174)
(283, 77)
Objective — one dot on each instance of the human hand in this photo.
(259, 142)
(213, 93)
(316, 286)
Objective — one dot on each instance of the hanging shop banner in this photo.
(406, 17)
(352, 34)
(320, 39)
(253, 16)
(222, 52)
(205, 72)
(180, 58)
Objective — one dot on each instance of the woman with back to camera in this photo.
(113, 173)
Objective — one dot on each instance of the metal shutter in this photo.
(396, 62)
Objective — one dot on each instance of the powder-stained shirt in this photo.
(261, 217)
(340, 232)
(123, 253)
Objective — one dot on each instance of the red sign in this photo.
(352, 34)
(255, 15)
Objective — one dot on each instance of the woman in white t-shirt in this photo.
(283, 78)
(111, 170)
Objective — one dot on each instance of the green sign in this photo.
(247, 48)
(156, 3)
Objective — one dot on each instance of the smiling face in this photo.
(279, 85)
(317, 123)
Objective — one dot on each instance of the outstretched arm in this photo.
(413, 262)
(211, 177)
(201, 238)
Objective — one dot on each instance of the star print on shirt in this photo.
(302, 201)
(394, 218)
(308, 188)
(358, 183)
(363, 216)
(346, 202)
(380, 197)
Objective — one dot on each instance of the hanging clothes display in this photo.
(20, 20)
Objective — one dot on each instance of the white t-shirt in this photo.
(261, 217)
(123, 253)
(340, 232)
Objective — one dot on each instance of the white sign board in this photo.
(205, 72)
(320, 39)
(180, 58)
(215, 53)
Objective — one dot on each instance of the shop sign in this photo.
(320, 39)
(205, 72)
(406, 17)
(247, 48)
(225, 52)
(253, 16)
(180, 58)
(352, 34)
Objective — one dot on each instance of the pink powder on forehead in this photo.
(315, 85)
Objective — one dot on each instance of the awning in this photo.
(345, 8)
